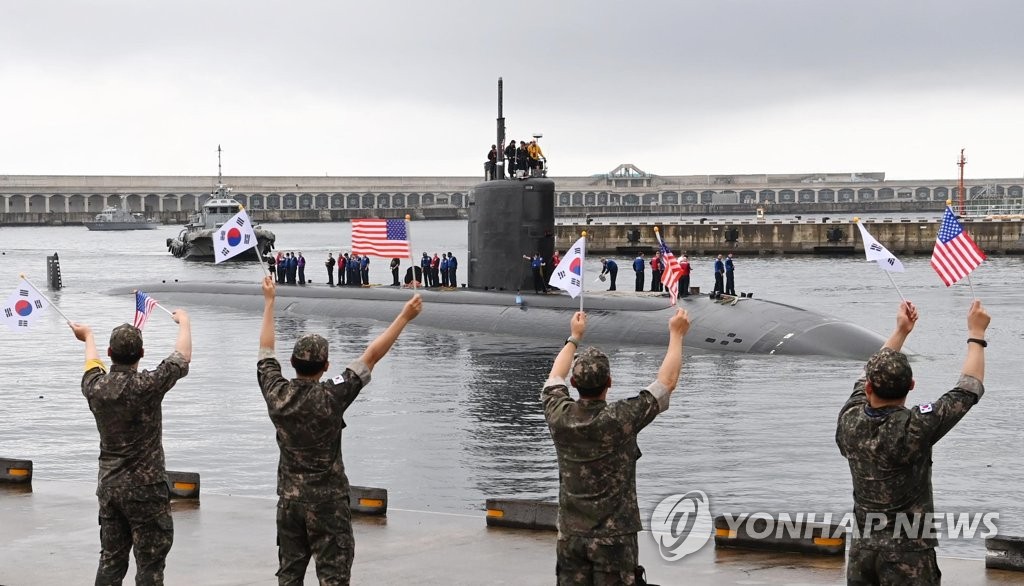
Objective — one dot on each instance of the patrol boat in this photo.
(119, 218)
(195, 241)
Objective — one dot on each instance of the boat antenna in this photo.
(219, 177)
(501, 134)
(960, 189)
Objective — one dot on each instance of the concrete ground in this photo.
(50, 536)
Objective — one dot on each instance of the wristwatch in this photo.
(978, 341)
(573, 341)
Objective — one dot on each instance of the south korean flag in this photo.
(878, 253)
(23, 307)
(233, 238)
(568, 275)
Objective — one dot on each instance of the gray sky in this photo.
(409, 88)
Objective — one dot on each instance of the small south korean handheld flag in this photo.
(23, 307)
(568, 275)
(233, 238)
(878, 253)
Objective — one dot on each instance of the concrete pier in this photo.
(787, 236)
(50, 536)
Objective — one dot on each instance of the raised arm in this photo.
(563, 362)
(84, 334)
(184, 342)
(906, 318)
(267, 328)
(379, 347)
(668, 373)
(977, 322)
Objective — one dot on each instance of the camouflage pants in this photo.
(322, 530)
(597, 561)
(869, 566)
(136, 517)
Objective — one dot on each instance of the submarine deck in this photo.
(50, 536)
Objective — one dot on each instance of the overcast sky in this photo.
(387, 87)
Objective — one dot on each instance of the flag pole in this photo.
(583, 283)
(893, 281)
(408, 238)
(971, 283)
(157, 303)
(40, 293)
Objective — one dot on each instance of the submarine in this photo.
(510, 216)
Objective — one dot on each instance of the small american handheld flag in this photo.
(671, 272)
(955, 255)
(377, 237)
(144, 305)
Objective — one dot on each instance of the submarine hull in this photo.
(754, 326)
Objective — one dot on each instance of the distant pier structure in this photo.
(624, 191)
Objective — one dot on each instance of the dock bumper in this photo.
(522, 514)
(367, 500)
(1005, 552)
(183, 485)
(15, 471)
(779, 534)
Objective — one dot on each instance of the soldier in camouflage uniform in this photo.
(313, 514)
(598, 516)
(889, 449)
(134, 502)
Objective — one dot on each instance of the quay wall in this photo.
(785, 237)
(269, 216)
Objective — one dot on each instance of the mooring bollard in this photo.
(522, 514)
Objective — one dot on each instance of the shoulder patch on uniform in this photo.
(339, 379)
(925, 407)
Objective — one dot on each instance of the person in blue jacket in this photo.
(453, 264)
(537, 266)
(638, 268)
(611, 269)
(442, 267)
(730, 282)
(719, 273)
(364, 269)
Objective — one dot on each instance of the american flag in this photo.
(386, 238)
(144, 305)
(671, 272)
(955, 254)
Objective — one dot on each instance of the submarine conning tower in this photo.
(510, 218)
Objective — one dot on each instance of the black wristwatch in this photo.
(978, 341)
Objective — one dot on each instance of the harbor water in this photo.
(452, 418)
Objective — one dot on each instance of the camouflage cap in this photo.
(889, 372)
(311, 348)
(126, 340)
(590, 370)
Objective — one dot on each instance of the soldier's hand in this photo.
(81, 331)
(679, 323)
(977, 320)
(180, 317)
(906, 317)
(578, 325)
(269, 289)
(413, 307)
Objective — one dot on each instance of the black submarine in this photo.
(510, 216)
